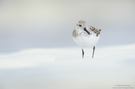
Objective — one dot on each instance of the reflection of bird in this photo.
(85, 37)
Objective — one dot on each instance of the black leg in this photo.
(93, 52)
(82, 53)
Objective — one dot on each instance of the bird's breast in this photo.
(84, 40)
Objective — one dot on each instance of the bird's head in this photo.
(81, 23)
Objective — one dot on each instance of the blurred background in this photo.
(49, 23)
(37, 50)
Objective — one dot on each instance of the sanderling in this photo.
(85, 37)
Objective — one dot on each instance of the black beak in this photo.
(80, 25)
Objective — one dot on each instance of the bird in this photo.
(85, 36)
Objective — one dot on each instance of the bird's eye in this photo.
(80, 25)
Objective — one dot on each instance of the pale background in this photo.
(49, 23)
(37, 50)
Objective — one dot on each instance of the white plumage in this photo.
(85, 37)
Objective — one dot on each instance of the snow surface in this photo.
(63, 68)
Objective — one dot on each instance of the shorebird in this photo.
(86, 37)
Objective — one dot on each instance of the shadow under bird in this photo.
(86, 37)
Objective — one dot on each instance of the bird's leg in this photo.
(93, 52)
(82, 53)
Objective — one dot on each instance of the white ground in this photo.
(63, 68)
